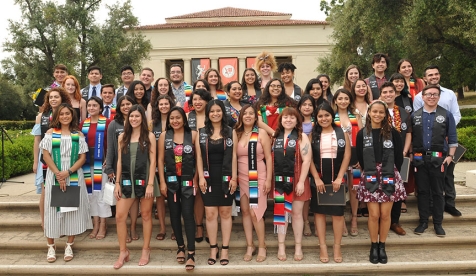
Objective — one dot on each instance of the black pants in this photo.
(430, 182)
(396, 212)
(450, 192)
(182, 207)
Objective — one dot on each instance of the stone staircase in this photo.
(23, 248)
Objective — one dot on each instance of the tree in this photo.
(18, 106)
(440, 32)
(49, 34)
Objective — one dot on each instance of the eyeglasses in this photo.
(275, 86)
(127, 74)
(175, 72)
(432, 95)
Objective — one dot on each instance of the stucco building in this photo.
(239, 35)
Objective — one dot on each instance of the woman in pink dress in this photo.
(252, 147)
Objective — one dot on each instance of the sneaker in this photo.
(421, 228)
(439, 231)
(452, 211)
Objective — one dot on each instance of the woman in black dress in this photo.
(331, 155)
(217, 176)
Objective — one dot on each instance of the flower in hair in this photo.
(264, 58)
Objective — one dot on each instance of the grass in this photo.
(469, 99)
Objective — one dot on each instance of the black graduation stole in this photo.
(140, 172)
(157, 130)
(387, 177)
(188, 165)
(192, 120)
(227, 159)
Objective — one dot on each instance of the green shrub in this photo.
(467, 138)
(468, 112)
(17, 125)
(467, 122)
(19, 155)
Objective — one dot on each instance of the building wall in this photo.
(304, 43)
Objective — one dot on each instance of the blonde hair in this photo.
(268, 58)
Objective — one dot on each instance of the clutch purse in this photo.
(69, 198)
(405, 169)
(330, 197)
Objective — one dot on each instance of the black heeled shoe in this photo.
(373, 258)
(181, 260)
(210, 260)
(190, 256)
(199, 239)
(224, 261)
(382, 255)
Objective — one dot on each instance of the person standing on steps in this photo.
(127, 77)
(380, 63)
(448, 101)
(147, 77)
(434, 144)
(94, 86)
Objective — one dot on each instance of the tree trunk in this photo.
(460, 93)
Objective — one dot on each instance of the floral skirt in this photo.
(379, 196)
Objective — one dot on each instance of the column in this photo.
(214, 63)
(162, 68)
(187, 70)
(241, 67)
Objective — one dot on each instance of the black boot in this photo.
(382, 255)
(373, 258)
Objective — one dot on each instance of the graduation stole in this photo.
(45, 124)
(262, 111)
(253, 167)
(112, 111)
(285, 151)
(397, 119)
(353, 123)
(227, 159)
(413, 88)
(221, 95)
(98, 155)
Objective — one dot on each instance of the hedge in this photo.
(19, 155)
(468, 112)
(467, 138)
(17, 125)
(467, 122)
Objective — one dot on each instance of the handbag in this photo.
(330, 197)
(108, 195)
(68, 198)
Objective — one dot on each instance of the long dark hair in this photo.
(386, 127)
(291, 111)
(186, 127)
(219, 85)
(317, 129)
(328, 90)
(239, 126)
(55, 123)
(154, 95)
(256, 84)
(308, 88)
(156, 115)
(366, 97)
(283, 98)
(119, 117)
(130, 92)
(202, 93)
(350, 107)
(144, 141)
(303, 99)
(224, 122)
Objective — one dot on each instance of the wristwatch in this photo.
(70, 172)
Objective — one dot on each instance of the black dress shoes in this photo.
(439, 231)
(373, 258)
(421, 228)
(382, 255)
(452, 211)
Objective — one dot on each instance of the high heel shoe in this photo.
(224, 261)
(144, 261)
(199, 239)
(181, 259)
(212, 261)
(261, 258)
(247, 257)
(337, 258)
(298, 257)
(68, 252)
(190, 256)
(323, 259)
(119, 263)
(354, 231)
(51, 255)
(282, 257)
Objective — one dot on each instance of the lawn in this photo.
(469, 99)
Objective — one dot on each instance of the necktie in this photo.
(106, 111)
(94, 91)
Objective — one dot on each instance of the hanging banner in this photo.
(199, 66)
(250, 62)
(228, 69)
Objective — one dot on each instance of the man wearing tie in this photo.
(94, 87)
(108, 95)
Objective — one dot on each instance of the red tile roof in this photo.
(228, 12)
(232, 24)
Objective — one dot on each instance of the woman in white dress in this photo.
(64, 151)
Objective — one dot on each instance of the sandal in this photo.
(161, 236)
(247, 257)
(68, 252)
(212, 261)
(321, 257)
(93, 233)
(190, 256)
(51, 255)
(298, 257)
(128, 238)
(120, 262)
(359, 213)
(307, 229)
(224, 261)
(282, 257)
(144, 261)
(101, 236)
(199, 239)
(181, 259)
(337, 257)
(261, 258)
(354, 231)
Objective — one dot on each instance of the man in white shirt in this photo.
(108, 96)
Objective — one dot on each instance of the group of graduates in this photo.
(211, 150)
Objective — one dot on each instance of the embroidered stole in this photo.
(94, 182)
(263, 110)
(285, 151)
(253, 167)
(221, 95)
(353, 123)
(56, 155)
